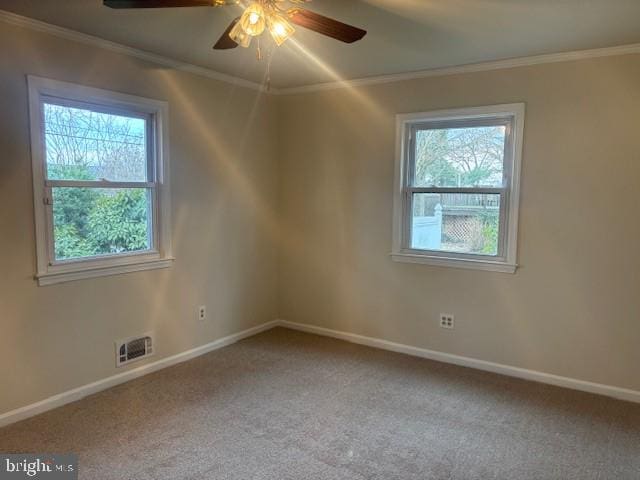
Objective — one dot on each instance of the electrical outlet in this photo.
(202, 313)
(447, 321)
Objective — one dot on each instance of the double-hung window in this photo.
(100, 176)
(456, 187)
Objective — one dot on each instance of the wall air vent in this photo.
(133, 349)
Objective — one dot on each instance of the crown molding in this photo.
(74, 35)
(467, 68)
(68, 34)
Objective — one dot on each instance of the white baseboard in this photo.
(566, 382)
(95, 387)
(91, 388)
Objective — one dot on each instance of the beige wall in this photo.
(572, 308)
(224, 189)
(282, 209)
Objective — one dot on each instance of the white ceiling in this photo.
(404, 35)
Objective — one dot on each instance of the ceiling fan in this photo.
(258, 16)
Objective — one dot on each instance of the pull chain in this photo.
(259, 51)
(268, 73)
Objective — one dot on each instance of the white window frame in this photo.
(156, 113)
(512, 116)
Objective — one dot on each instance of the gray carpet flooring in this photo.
(288, 405)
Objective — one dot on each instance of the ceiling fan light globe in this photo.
(279, 28)
(253, 20)
(239, 36)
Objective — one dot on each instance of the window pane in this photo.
(86, 145)
(100, 221)
(459, 157)
(459, 222)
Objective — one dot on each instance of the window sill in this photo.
(103, 271)
(487, 265)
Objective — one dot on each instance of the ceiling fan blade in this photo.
(325, 25)
(225, 42)
(159, 3)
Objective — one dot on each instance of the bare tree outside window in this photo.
(106, 146)
(460, 157)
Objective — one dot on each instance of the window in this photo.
(100, 176)
(456, 192)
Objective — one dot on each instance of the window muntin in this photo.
(456, 203)
(101, 183)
